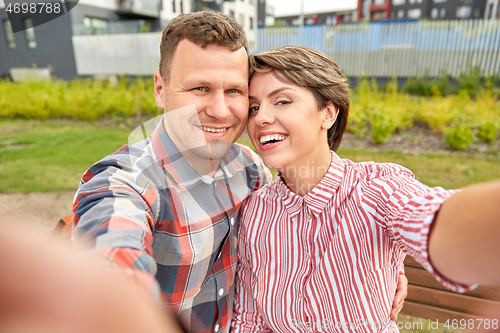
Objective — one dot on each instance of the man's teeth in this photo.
(214, 130)
(275, 137)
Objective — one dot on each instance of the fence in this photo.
(403, 49)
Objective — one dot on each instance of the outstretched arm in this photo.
(464, 243)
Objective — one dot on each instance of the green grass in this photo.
(51, 155)
(42, 156)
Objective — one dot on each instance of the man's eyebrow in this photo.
(274, 92)
(233, 85)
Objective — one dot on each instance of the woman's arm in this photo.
(464, 243)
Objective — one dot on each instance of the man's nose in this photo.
(218, 106)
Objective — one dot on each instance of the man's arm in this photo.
(464, 243)
(113, 217)
(401, 293)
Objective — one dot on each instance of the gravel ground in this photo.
(37, 213)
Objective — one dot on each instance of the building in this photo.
(49, 45)
(329, 18)
(245, 12)
(265, 14)
(373, 10)
(443, 9)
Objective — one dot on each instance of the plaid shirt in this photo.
(146, 208)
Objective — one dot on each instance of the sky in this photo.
(291, 7)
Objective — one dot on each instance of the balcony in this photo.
(139, 8)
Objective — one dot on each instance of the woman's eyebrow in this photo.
(274, 92)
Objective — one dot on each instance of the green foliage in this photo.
(459, 136)
(81, 99)
(471, 81)
(460, 117)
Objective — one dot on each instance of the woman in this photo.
(320, 247)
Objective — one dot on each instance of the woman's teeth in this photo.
(275, 137)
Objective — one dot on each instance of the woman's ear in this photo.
(331, 111)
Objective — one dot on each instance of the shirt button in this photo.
(221, 291)
(232, 220)
(308, 256)
(300, 295)
(309, 217)
(216, 327)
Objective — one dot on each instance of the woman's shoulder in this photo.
(371, 170)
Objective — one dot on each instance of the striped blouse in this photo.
(328, 261)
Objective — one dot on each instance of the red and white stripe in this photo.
(338, 270)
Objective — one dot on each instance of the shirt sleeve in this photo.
(406, 209)
(113, 216)
(246, 316)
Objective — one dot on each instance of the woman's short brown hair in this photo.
(314, 70)
(201, 28)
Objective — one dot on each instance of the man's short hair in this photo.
(312, 69)
(201, 28)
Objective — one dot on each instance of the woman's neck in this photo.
(301, 179)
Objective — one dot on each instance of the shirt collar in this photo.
(180, 169)
(316, 199)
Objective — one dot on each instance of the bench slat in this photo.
(419, 276)
(452, 301)
(434, 313)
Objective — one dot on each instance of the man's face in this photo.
(205, 99)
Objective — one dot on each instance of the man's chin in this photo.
(212, 151)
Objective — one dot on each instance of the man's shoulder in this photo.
(127, 159)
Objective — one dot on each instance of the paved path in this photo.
(36, 212)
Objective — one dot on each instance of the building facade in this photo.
(442, 9)
(49, 45)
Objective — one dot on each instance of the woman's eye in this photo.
(283, 102)
(254, 109)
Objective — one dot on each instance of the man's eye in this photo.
(200, 88)
(233, 91)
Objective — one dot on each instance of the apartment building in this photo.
(49, 45)
(443, 9)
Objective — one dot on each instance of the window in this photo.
(398, 2)
(438, 1)
(29, 33)
(412, 1)
(379, 2)
(464, 11)
(182, 7)
(401, 14)
(11, 39)
(477, 13)
(173, 6)
(434, 13)
(242, 20)
(95, 26)
(442, 13)
(414, 13)
(251, 23)
(231, 13)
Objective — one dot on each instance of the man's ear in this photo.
(330, 111)
(159, 91)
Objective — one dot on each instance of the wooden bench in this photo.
(428, 299)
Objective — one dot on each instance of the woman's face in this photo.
(285, 125)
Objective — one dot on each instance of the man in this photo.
(167, 207)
